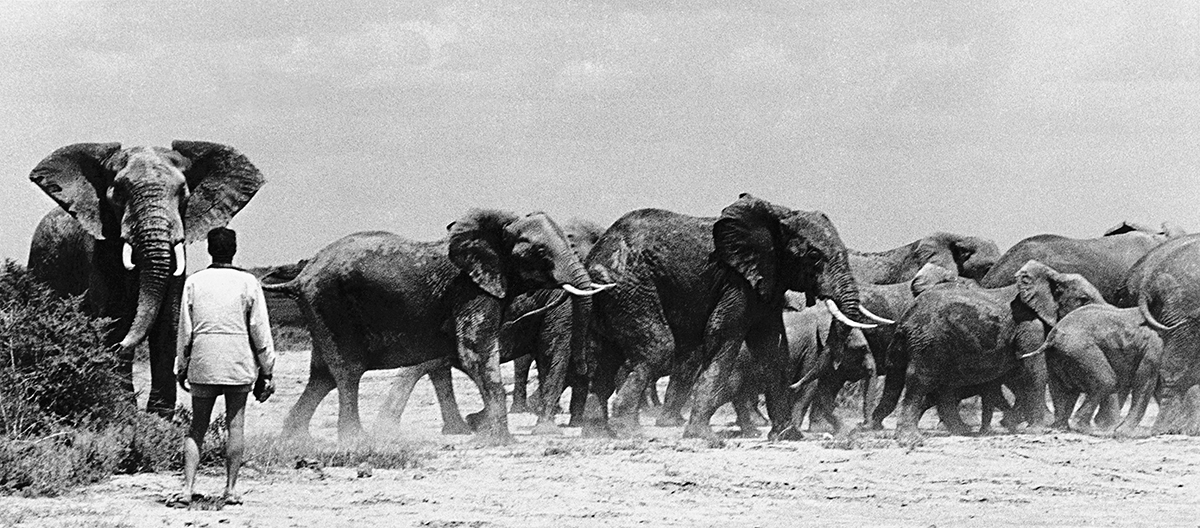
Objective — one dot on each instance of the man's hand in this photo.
(181, 377)
(264, 387)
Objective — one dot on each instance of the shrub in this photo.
(54, 369)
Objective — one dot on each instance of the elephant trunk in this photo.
(153, 271)
(574, 278)
(844, 302)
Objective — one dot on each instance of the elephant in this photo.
(1103, 351)
(583, 235)
(1103, 261)
(119, 234)
(957, 335)
(883, 285)
(972, 256)
(694, 289)
(376, 300)
(537, 325)
(1165, 287)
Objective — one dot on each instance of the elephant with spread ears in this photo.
(958, 335)
(375, 300)
(697, 288)
(125, 216)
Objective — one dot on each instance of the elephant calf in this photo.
(1102, 351)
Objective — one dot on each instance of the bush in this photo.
(66, 417)
(55, 370)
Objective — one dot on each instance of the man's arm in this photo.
(260, 331)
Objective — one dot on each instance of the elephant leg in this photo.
(911, 408)
(477, 324)
(825, 403)
(349, 423)
(647, 356)
(947, 407)
(745, 406)
(578, 402)
(600, 386)
(443, 387)
(684, 372)
(1065, 399)
(397, 398)
(870, 388)
(1145, 381)
(1101, 395)
(521, 368)
(893, 383)
(553, 357)
(722, 343)
(1030, 382)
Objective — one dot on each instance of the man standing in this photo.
(224, 349)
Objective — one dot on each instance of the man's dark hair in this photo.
(222, 244)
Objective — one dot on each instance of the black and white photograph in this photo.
(592, 263)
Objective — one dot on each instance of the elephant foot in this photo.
(909, 437)
(749, 431)
(626, 425)
(699, 431)
(597, 429)
(1130, 431)
(670, 420)
(546, 428)
(1037, 429)
(475, 421)
(458, 427)
(786, 434)
(958, 430)
(870, 425)
(350, 436)
(518, 407)
(494, 438)
(575, 421)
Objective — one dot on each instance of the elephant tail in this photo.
(1144, 308)
(290, 288)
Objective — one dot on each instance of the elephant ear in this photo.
(930, 276)
(937, 250)
(221, 181)
(1036, 288)
(77, 176)
(476, 247)
(745, 238)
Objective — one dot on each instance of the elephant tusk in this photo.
(180, 260)
(596, 288)
(837, 312)
(127, 256)
(876, 318)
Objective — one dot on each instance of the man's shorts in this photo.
(207, 390)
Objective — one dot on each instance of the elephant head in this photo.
(970, 256)
(507, 255)
(777, 249)
(1052, 295)
(582, 235)
(153, 200)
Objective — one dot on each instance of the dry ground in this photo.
(661, 480)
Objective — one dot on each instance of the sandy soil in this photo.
(661, 480)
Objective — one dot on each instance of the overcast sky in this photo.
(897, 118)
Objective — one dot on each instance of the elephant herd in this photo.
(760, 300)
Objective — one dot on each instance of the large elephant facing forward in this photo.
(376, 300)
(125, 216)
(700, 287)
